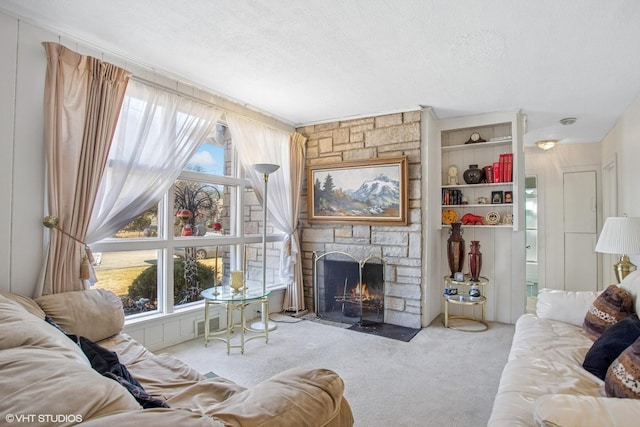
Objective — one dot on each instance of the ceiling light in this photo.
(547, 144)
(568, 120)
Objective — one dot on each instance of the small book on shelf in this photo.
(497, 174)
(508, 173)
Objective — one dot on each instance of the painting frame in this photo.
(348, 205)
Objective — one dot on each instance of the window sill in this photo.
(150, 318)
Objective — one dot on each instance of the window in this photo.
(207, 224)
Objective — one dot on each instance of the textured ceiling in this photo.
(319, 60)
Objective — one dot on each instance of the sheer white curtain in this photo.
(157, 134)
(258, 143)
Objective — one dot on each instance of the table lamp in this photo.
(265, 169)
(620, 235)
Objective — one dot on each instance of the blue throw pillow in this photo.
(613, 341)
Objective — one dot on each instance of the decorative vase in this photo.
(187, 230)
(455, 248)
(473, 175)
(475, 261)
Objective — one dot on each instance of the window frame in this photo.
(166, 243)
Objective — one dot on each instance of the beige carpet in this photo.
(442, 377)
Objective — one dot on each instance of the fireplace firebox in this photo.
(349, 290)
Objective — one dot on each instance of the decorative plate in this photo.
(449, 216)
(492, 218)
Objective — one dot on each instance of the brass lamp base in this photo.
(623, 267)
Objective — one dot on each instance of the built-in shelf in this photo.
(446, 226)
(477, 145)
(480, 205)
(503, 245)
(484, 184)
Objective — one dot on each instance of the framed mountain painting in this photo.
(372, 192)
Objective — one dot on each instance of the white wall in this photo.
(22, 163)
(549, 167)
(622, 145)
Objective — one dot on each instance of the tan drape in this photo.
(294, 296)
(82, 101)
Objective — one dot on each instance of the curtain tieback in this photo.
(51, 222)
(289, 242)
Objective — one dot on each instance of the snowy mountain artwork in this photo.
(372, 191)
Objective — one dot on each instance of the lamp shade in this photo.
(265, 168)
(620, 235)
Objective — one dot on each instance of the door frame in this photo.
(609, 208)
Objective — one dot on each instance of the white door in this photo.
(580, 231)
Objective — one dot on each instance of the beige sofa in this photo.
(47, 380)
(544, 382)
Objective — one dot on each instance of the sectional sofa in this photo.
(545, 382)
(48, 380)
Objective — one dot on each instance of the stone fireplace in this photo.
(349, 290)
(400, 247)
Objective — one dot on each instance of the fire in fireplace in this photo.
(348, 290)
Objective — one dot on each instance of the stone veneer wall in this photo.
(400, 246)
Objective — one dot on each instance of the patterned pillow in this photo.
(610, 345)
(623, 376)
(609, 307)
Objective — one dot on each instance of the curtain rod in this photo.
(202, 101)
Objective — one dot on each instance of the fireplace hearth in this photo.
(348, 290)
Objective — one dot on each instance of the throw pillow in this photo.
(95, 314)
(564, 306)
(623, 376)
(611, 306)
(610, 345)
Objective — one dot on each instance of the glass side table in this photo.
(462, 298)
(232, 301)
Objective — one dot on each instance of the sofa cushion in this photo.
(563, 409)
(631, 284)
(94, 314)
(611, 306)
(161, 375)
(564, 306)
(295, 397)
(545, 339)
(26, 303)
(40, 381)
(623, 376)
(611, 343)
(20, 328)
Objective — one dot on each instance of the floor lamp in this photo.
(265, 169)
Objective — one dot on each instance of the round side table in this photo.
(464, 299)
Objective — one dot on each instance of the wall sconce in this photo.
(546, 144)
